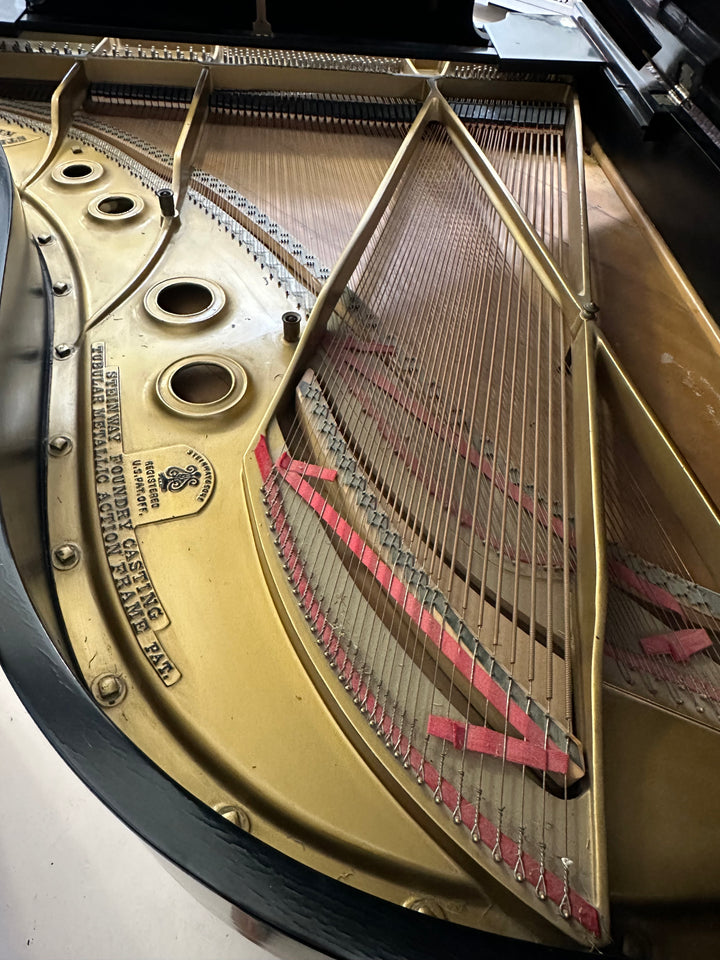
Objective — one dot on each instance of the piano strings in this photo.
(439, 395)
(314, 176)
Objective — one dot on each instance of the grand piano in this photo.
(360, 507)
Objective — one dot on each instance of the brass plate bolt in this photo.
(44, 239)
(167, 203)
(291, 326)
(108, 689)
(589, 310)
(59, 446)
(235, 815)
(66, 556)
(63, 351)
(60, 288)
(426, 905)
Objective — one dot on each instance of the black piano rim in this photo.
(296, 901)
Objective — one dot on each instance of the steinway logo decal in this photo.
(174, 479)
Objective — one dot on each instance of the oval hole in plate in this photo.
(76, 170)
(184, 298)
(202, 385)
(116, 205)
(202, 382)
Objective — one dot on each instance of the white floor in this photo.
(75, 883)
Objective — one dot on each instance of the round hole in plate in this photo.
(202, 382)
(184, 300)
(115, 206)
(202, 385)
(77, 171)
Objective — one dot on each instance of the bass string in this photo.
(383, 651)
(427, 224)
(157, 126)
(418, 481)
(334, 588)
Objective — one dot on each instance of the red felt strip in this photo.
(637, 584)
(481, 739)
(285, 463)
(581, 910)
(665, 670)
(262, 455)
(409, 603)
(680, 644)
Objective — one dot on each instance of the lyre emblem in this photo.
(175, 478)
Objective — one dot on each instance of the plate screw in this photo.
(63, 351)
(44, 239)
(108, 689)
(167, 203)
(66, 556)
(60, 288)
(425, 905)
(291, 326)
(59, 446)
(235, 815)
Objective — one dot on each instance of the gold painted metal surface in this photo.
(170, 368)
